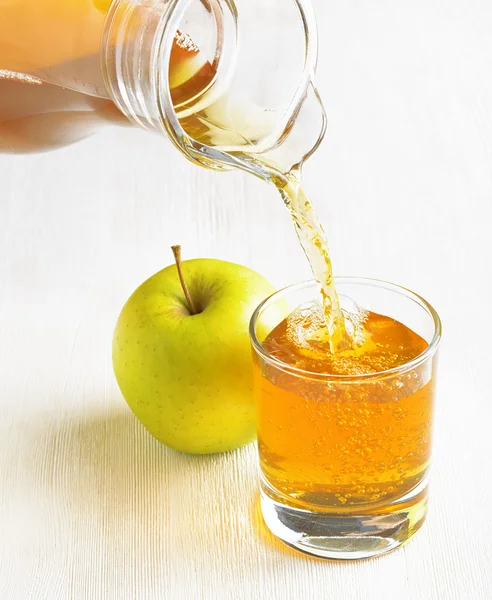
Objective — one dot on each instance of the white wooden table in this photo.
(90, 505)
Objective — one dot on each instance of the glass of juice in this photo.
(344, 439)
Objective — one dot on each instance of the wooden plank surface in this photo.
(90, 505)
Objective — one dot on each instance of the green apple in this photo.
(188, 377)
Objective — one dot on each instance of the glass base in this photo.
(346, 536)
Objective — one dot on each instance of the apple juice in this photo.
(356, 444)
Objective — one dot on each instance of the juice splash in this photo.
(315, 245)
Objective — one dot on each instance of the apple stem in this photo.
(177, 257)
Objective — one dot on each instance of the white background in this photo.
(90, 505)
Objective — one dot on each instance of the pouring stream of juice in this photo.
(213, 123)
(314, 243)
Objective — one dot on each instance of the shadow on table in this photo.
(116, 489)
(268, 539)
(107, 463)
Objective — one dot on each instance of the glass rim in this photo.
(429, 351)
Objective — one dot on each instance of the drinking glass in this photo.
(344, 459)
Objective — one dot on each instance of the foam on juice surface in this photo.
(379, 342)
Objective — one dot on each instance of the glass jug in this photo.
(230, 82)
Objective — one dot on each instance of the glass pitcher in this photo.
(229, 82)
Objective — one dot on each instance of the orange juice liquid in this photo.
(338, 445)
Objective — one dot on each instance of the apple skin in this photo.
(188, 378)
